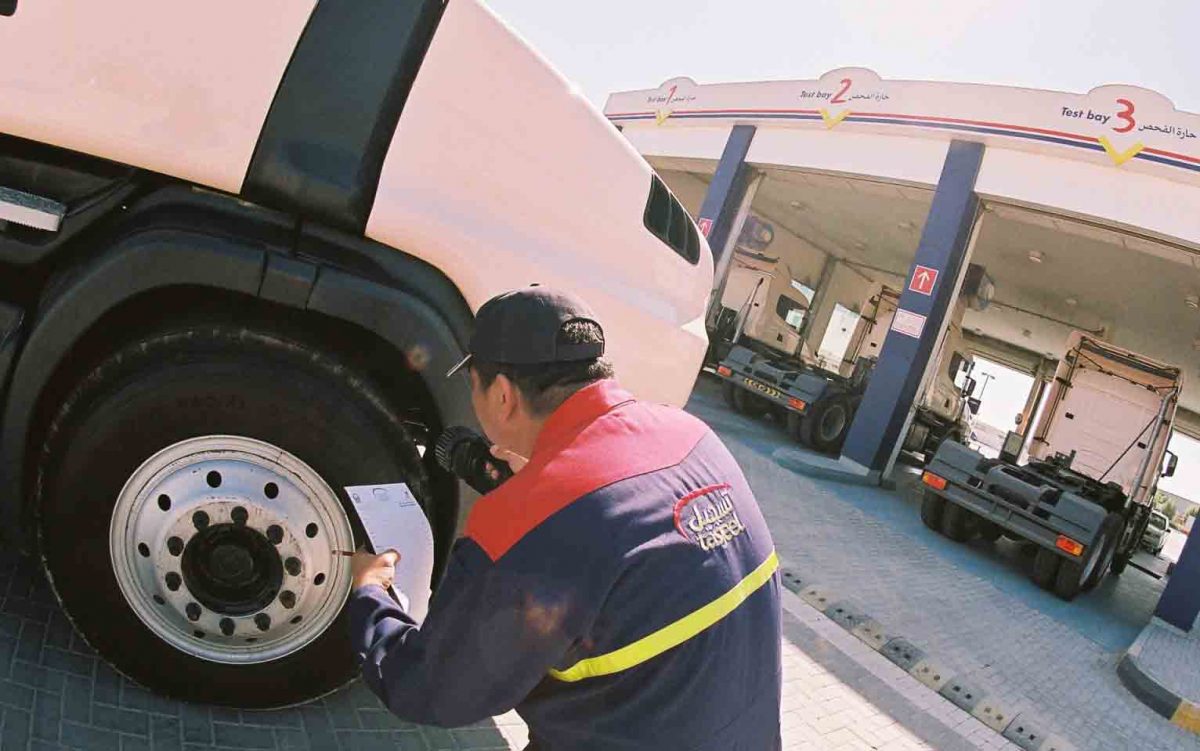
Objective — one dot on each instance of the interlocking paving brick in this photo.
(868, 544)
(243, 736)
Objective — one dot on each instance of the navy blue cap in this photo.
(523, 327)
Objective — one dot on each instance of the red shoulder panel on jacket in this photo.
(633, 439)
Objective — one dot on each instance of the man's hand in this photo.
(369, 569)
(514, 460)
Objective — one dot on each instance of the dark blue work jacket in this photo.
(620, 592)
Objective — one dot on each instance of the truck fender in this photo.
(157, 258)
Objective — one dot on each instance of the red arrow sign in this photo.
(705, 225)
(923, 279)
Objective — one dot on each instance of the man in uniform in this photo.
(620, 590)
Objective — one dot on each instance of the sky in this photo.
(1067, 45)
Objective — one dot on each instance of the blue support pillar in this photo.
(897, 376)
(725, 192)
(1180, 601)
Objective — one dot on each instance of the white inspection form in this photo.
(394, 520)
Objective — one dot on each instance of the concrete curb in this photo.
(1180, 711)
(1022, 729)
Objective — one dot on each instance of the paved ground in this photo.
(54, 692)
(1172, 659)
(970, 604)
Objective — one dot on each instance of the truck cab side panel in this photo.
(176, 88)
(502, 185)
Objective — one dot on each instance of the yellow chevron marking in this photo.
(832, 120)
(1120, 157)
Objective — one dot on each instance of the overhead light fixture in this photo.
(1036, 256)
(799, 206)
(1026, 333)
(907, 225)
(860, 244)
(1192, 301)
(1071, 302)
(1196, 343)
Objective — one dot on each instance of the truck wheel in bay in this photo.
(729, 392)
(958, 523)
(1045, 568)
(1110, 532)
(826, 425)
(190, 503)
(989, 531)
(932, 506)
(1076, 575)
(1119, 563)
(744, 402)
(794, 423)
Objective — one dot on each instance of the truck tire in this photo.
(188, 511)
(1045, 568)
(729, 392)
(746, 403)
(932, 506)
(794, 424)
(826, 426)
(1110, 531)
(958, 523)
(1120, 563)
(1075, 576)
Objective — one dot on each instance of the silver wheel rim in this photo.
(192, 538)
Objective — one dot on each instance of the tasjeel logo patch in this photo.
(708, 517)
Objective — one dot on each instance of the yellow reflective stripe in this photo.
(674, 634)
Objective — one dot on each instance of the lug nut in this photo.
(288, 599)
(200, 519)
(263, 621)
(239, 515)
(175, 546)
(193, 611)
(227, 626)
(275, 534)
(292, 566)
(173, 581)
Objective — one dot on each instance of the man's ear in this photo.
(507, 395)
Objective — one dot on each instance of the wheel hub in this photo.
(232, 570)
(224, 548)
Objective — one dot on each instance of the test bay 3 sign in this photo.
(1117, 125)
